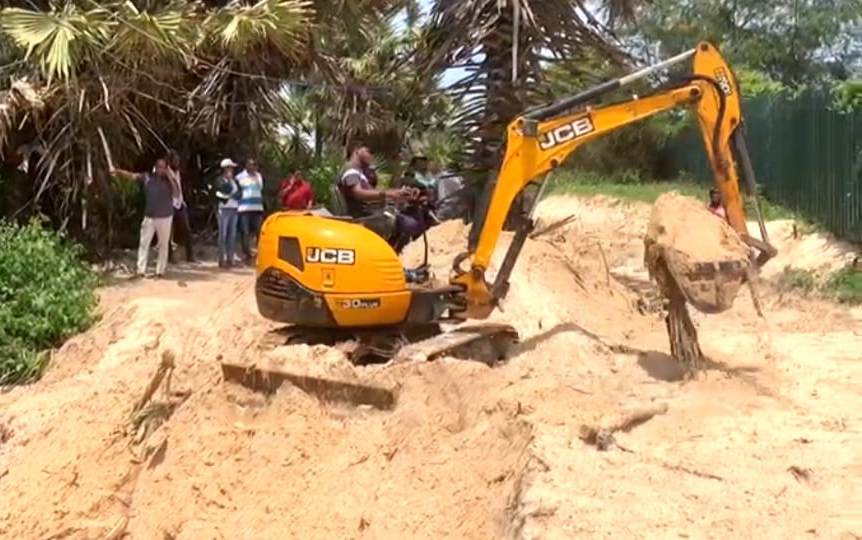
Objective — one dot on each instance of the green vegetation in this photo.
(797, 279)
(46, 295)
(793, 41)
(631, 186)
(627, 185)
(848, 96)
(846, 285)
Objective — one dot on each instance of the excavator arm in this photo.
(540, 140)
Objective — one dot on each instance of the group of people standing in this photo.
(240, 207)
(240, 210)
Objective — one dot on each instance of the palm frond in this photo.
(280, 23)
(61, 40)
(19, 100)
(504, 48)
(146, 37)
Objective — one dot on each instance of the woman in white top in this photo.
(228, 194)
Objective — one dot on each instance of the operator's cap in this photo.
(227, 162)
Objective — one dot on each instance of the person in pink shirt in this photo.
(715, 206)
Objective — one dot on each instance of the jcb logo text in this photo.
(330, 256)
(565, 133)
(723, 81)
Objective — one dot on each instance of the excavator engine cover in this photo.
(699, 251)
(329, 272)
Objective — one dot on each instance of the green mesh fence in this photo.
(806, 157)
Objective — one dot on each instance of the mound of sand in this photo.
(467, 452)
(705, 257)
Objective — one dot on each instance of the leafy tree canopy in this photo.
(791, 41)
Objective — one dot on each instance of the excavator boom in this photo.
(540, 140)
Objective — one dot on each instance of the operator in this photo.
(362, 199)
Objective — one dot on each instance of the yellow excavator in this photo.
(333, 279)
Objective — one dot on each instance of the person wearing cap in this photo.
(228, 194)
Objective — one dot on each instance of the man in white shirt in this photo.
(250, 207)
(182, 229)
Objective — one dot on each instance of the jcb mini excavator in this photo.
(333, 279)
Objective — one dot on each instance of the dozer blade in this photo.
(326, 387)
(497, 338)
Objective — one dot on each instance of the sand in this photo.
(767, 445)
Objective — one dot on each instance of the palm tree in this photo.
(367, 86)
(504, 46)
(177, 75)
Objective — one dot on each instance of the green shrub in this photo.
(323, 174)
(46, 295)
(846, 285)
(848, 96)
(797, 279)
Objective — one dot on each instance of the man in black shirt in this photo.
(363, 199)
(160, 190)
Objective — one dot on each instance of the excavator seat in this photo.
(337, 201)
(382, 222)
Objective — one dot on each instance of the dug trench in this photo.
(466, 451)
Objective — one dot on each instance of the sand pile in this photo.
(226, 462)
(467, 452)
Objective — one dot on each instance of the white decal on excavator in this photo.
(360, 303)
(723, 81)
(567, 132)
(330, 256)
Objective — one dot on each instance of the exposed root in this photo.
(601, 435)
(552, 227)
(147, 415)
(693, 472)
(118, 530)
(684, 345)
(164, 370)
